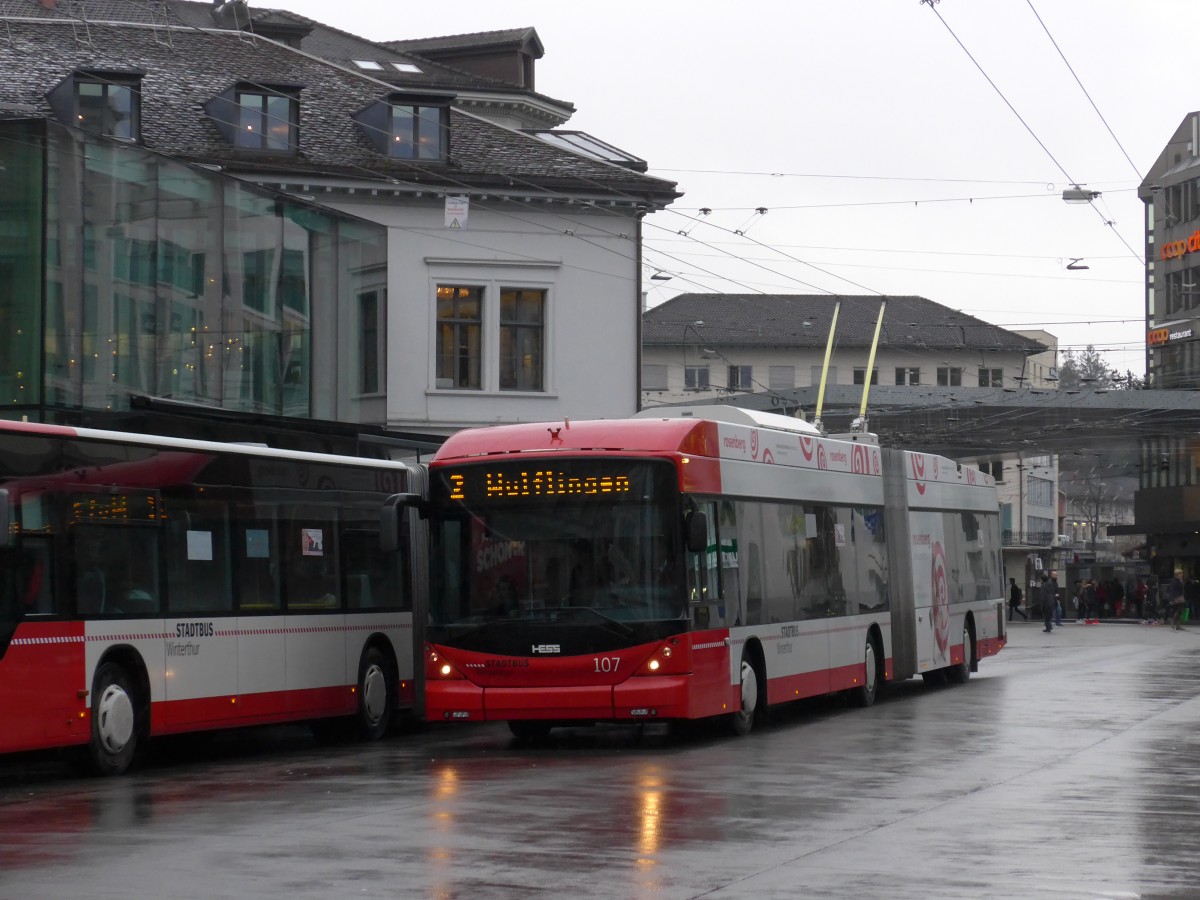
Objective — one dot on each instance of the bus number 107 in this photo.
(606, 663)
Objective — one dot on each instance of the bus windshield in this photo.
(580, 540)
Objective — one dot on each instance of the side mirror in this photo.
(392, 533)
(6, 519)
(696, 531)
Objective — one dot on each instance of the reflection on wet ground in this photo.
(1067, 768)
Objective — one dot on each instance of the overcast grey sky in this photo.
(885, 160)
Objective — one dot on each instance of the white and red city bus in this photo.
(697, 563)
(153, 586)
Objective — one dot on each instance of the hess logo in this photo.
(547, 648)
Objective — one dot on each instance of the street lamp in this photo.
(1077, 194)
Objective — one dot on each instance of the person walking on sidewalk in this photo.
(1057, 601)
(1175, 599)
(1088, 602)
(1014, 600)
(1046, 598)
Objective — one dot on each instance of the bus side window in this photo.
(116, 569)
(310, 569)
(370, 576)
(198, 576)
(256, 555)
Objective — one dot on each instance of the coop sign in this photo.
(1169, 334)
(1173, 249)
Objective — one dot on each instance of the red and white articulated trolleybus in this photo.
(700, 563)
(153, 586)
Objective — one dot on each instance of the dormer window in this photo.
(103, 102)
(409, 126)
(418, 132)
(258, 116)
(267, 120)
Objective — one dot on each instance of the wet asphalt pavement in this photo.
(1068, 767)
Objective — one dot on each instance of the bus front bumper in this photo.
(638, 699)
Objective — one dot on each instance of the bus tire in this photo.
(742, 721)
(529, 729)
(376, 695)
(864, 695)
(117, 720)
(960, 673)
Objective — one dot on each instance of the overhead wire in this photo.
(1071, 69)
(1108, 222)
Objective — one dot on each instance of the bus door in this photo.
(931, 589)
(315, 658)
(202, 662)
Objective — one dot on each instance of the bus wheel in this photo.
(743, 719)
(960, 673)
(529, 730)
(115, 721)
(376, 695)
(865, 693)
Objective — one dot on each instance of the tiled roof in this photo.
(322, 40)
(185, 67)
(803, 320)
(475, 40)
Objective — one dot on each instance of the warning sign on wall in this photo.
(456, 211)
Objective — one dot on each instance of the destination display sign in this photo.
(506, 483)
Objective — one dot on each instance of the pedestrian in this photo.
(1014, 600)
(1057, 601)
(1176, 599)
(1088, 601)
(1077, 601)
(1046, 599)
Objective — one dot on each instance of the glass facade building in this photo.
(126, 273)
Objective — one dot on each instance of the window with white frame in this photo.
(781, 378)
(908, 376)
(815, 375)
(492, 328)
(1039, 491)
(459, 336)
(654, 377)
(949, 376)
(695, 378)
(522, 325)
(740, 378)
(860, 376)
(991, 378)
